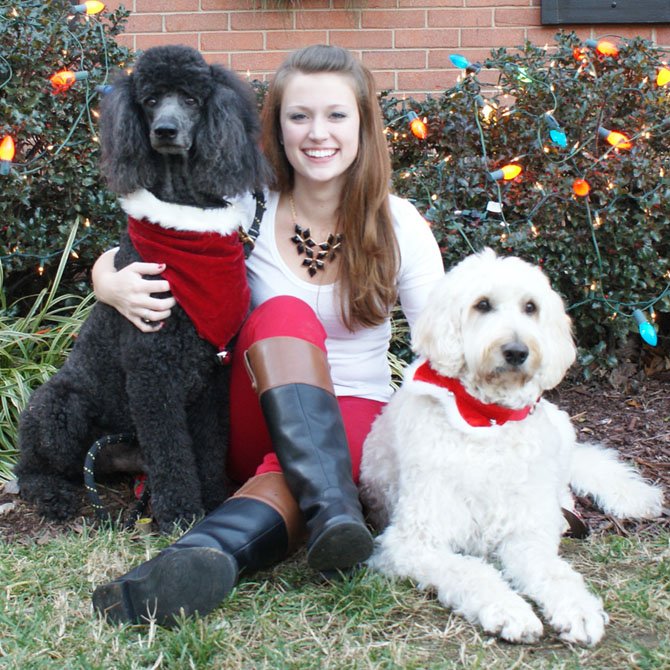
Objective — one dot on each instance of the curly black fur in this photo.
(166, 386)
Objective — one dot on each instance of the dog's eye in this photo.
(191, 102)
(150, 102)
(530, 307)
(483, 306)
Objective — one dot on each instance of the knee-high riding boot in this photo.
(292, 378)
(258, 526)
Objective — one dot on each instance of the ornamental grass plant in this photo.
(34, 342)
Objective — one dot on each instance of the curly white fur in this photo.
(452, 496)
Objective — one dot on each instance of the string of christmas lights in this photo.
(523, 95)
(584, 155)
(37, 155)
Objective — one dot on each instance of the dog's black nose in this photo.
(166, 131)
(515, 353)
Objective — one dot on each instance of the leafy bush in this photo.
(54, 180)
(607, 253)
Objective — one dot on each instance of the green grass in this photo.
(289, 618)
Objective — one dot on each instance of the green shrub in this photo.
(55, 178)
(607, 254)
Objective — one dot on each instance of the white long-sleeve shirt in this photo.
(358, 362)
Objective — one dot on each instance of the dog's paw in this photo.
(513, 620)
(579, 620)
(55, 500)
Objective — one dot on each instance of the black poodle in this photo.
(180, 145)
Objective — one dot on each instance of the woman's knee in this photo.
(283, 316)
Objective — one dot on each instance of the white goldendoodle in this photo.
(468, 464)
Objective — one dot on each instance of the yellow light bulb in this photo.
(89, 7)
(7, 149)
(606, 48)
(510, 171)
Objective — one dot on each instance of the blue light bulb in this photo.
(646, 330)
(459, 61)
(558, 137)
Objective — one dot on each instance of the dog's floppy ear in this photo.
(227, 144)
(437, 332)
(127, 161)
(558, 345)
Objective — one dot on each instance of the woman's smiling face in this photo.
(320, 125)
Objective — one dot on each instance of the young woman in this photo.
(310, 372)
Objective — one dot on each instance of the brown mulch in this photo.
(634, 420)
(628, 412)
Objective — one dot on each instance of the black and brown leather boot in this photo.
(292, 378)
(255, 528)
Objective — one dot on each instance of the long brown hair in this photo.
(370, 256)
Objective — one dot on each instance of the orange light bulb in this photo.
(506, 172)
(94, 7)
(619, 140)
(510, 171)
(616, 139)
(581, 187)
(63, 80)
(417, 126)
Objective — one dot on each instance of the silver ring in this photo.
(145, 319)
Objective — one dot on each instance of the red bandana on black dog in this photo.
(473, 411)
(206, 272)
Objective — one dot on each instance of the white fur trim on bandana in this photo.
(144, 205)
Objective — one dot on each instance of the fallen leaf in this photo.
(11, 486)
(7, 507)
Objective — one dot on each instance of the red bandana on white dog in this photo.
(473, 411)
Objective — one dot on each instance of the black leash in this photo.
(92, 488)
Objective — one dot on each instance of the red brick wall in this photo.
(406, 43)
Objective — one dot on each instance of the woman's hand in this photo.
(130, 294)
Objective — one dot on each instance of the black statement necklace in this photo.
(317, 253)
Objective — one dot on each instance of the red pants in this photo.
(250, 446)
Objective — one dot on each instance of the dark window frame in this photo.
(556, 12)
